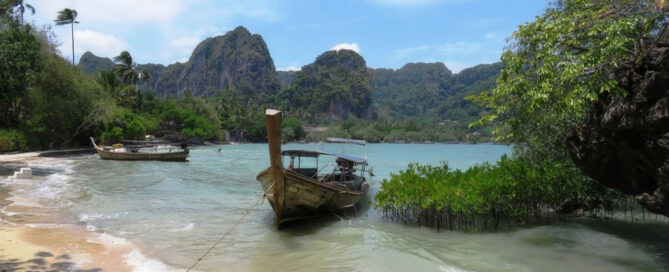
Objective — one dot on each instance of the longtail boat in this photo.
(141, 152)
(304, 190)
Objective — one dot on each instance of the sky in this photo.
(387, 33)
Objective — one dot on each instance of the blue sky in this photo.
(387, 33)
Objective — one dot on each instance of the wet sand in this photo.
(31, 239)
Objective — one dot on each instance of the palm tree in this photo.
(126, 70)
(68, 16)
(21, 8)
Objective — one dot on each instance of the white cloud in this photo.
(126, 12)
(404, 3)
(101, 44)
(188, 42)
(289, 68)
(460, 48)
(406, 51)
(349, 46)
(456, 67)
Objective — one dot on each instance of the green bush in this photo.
(12, 140)
(135, 129)
(292, 129)
(112, 136)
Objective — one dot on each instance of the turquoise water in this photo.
(174, 211)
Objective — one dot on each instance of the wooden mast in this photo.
(273, 118)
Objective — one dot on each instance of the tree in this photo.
(558, 65)
(19, 68)
(15, 9)
(126, 70)
(68, 16)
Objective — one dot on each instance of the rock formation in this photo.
(237, 61)
(92, 64)
(624, 143)
(336, 85)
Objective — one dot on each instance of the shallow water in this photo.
(174, 211)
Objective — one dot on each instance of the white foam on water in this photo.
(135, 257)
(91, 228)
(48, 226)
(142, 263)
(187, 227)
(447, 268)
(43, 192)
(112, 240)
(4, 211)
(24, 201)
(87, 217)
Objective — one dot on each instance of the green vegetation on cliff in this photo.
(237, 61)
(92, 64)
(335, 86)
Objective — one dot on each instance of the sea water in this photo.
(175, 211)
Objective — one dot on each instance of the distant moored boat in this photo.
(142, 150)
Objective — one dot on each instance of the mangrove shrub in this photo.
(515, 191)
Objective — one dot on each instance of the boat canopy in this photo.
(314, 153)
(345, 141)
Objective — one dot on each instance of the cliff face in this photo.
(168, 83)
(625, 141)
(335, 85)
(286, 77)
(236, 61)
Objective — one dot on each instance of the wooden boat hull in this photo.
(304, 197)
(128, 156)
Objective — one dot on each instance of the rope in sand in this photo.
(248, 211)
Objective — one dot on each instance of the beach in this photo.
(82, 213)
(32, 238)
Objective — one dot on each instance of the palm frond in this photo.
(66, 16)
(124, 59)
(30, 8)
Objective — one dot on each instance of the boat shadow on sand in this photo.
(43, 261)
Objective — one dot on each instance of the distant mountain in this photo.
(482, 77)
(429, 89)
(92, 64)
(413, 89)
(335, 86)
(237, 61)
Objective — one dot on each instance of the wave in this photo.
(188, 227)
(142, 263)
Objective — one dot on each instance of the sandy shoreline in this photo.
(32, 239)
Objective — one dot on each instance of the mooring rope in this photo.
(248, 211)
